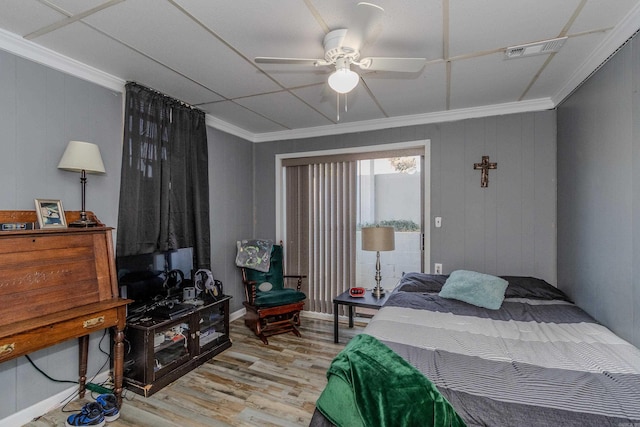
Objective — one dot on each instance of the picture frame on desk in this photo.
(50, 213)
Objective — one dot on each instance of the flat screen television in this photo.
(142, 277)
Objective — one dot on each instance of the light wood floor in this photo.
(250, 384)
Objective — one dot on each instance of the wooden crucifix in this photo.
(485, 166)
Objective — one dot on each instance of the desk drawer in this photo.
(38, 338)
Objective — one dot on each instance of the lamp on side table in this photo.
(378, 239)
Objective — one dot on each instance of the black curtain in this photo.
(164, 187)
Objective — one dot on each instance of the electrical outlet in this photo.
(437, 268)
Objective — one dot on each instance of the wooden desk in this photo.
(58, 284)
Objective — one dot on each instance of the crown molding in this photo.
(42, 55)
(417, 119)
(26, 49)
(223, 126)
(21, 47)
(610, 45)
(17, 45)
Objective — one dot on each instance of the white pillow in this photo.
(482, 290)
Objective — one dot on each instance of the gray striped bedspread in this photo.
(534, 362)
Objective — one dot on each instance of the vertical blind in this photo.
(321, 228)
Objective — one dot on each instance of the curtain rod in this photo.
(177, 101)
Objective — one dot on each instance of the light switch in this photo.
(438, 221)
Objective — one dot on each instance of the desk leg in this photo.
(82, 368)
(351, 316)
(335, 322)
(118, 363)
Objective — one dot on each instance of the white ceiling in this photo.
(202, 51)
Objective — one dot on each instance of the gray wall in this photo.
(507, 228)
(599, 194)
(41, 110)
(231, 207)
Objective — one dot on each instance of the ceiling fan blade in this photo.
(294, 61)
(367, 25)
(401, 65)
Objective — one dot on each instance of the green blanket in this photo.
(370, 385)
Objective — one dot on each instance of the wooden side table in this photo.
(368, 301)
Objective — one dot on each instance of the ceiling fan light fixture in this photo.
(343, 80)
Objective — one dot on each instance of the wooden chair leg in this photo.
(273, 320)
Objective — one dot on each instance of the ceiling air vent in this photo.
(531, 49)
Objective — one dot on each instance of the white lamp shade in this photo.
(378, 239)
(343, 80)
(79, 156)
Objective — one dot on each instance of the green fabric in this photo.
(386, 389)
(276, 298)
(338, 397)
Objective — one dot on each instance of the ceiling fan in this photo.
(342, 49)
(340, 55)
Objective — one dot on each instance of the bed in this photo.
(537, 360)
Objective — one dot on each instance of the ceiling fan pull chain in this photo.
(338, 106)
(345, 103)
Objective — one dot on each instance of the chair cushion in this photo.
(275, 298)
(274, 275)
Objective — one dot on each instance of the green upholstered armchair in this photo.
(271, 307)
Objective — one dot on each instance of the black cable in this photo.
(46, 375)
(68, 399)
(100, 346)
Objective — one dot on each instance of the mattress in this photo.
(539, 360)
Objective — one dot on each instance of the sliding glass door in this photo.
(390, 194)
(327, 199)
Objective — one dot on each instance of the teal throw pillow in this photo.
(482, 290)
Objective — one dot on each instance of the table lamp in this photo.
(83, 157)
(378, 239)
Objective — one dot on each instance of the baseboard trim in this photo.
(235, 315)
(43, 407)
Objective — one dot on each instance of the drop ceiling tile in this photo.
(170, 37)
(77, 6)
(202, 51)
(25, 16)
(360, 106)
(97, 50)
(423, 94)
(284, 108)
(262, 28)
(475, 27)
(602, 14)
(241, 117)
(563, 66)
(405, 29)
(289, 30)
(491, 79)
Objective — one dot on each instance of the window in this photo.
(164, 187)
